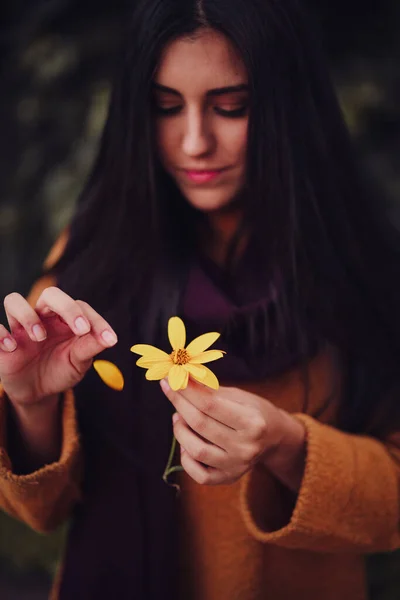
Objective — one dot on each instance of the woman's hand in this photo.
(224, 433)
(49, 348)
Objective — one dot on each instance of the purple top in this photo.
(123, 541)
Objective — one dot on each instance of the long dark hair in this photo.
(311, 216)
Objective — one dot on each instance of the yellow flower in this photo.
(181, 362)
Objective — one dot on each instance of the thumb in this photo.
(86, 347)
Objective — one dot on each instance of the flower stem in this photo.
(169, 469)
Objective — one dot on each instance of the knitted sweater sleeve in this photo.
(348, 500)
(42, 499)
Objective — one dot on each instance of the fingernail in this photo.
(9, 344)
(175, 417)
(109, 338)
(82, 326)
(164, 385)
(39, 333)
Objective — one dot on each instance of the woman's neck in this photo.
(217, 234)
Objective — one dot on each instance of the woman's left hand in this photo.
(223, 433)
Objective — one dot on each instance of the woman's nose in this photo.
(198, 140)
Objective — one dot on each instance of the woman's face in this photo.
(201, 109)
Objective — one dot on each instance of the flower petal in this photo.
(185, 384)
(176, 333)
(147, 363)
(151, 352)
(205, 357)
(177, 377)
(202, 342)
(158, 371)
(110, 374)
(210, 379)
(198, 372)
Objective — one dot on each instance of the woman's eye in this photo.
(232, 111)
(224, 110)
(167, 109)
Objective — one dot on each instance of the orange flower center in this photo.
(180, 357)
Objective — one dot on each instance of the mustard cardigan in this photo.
(253, 540)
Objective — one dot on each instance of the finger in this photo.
(199, 449)
(65, 307)
(7, 342)
(214, 403)
(208, 428)
(219, 404)
(21, 315)
(101, 335)
(203, 475)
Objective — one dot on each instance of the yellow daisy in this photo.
(181, 362)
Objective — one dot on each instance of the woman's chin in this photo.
(209, 202)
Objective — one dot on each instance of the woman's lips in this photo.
(202, 176)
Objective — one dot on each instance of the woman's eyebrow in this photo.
(163, 88)
(243, 87)
(232, 89)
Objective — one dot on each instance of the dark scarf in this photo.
(123, 541)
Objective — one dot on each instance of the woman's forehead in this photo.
(202, 62)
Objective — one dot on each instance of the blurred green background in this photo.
(56, 60)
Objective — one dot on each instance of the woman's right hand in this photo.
(49, 348)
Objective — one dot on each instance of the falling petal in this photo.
(150, 352)
(177, 377)
(110, 374)
(176, 333)
(210, 379)
(201, 343)
(147, 363)
(158, 371)
(205, 357)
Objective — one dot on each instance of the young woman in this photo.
(225, 192)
